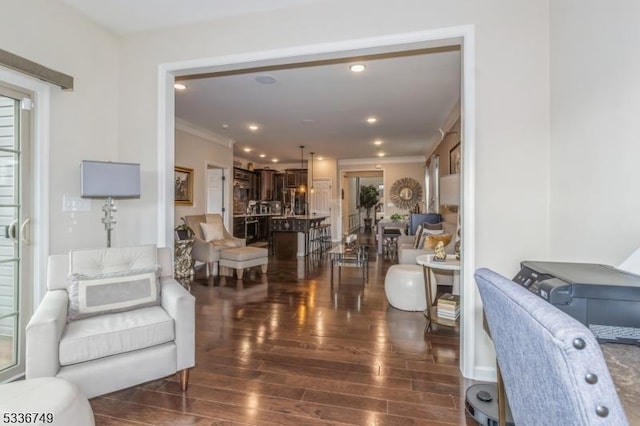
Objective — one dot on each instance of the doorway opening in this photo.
(462, 37)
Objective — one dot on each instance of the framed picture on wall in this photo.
(454, 159)
(183, 192)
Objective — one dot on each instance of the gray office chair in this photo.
(553, 370)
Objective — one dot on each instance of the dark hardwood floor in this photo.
(288, 349)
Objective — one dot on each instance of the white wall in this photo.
(511, 104)
(196, 152)
(595, 105)
(83, 122)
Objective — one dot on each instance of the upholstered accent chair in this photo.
(112, 318)
(553, 369)
(210, 237)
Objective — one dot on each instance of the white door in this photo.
(15, 251)
(215, 191)
(321, 198)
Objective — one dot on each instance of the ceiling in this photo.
(321, 105)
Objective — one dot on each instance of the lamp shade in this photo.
(450, 190)
(104, 179)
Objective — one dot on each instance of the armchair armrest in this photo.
(180, 305)
(203, 251)
(43, 335)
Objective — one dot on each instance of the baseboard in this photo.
(485, 374)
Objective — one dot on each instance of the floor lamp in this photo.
(109, 181)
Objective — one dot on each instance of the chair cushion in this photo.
(244, 253)
(212, 231)
(225, 243)
(97, 294)
(111, 334)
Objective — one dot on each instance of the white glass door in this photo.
(15, 281)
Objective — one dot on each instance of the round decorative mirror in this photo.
(406, 193)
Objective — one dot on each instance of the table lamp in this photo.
(109, 180)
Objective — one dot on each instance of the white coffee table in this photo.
(427, 262)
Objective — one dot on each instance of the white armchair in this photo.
(207, 250)
(112, 344)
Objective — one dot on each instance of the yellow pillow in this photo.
(431, 240)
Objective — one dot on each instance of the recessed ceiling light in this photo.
(266, 79)
(378, 142)
(247, 149)
(371, 120)
(357, 67)
(263, 155)
(380, 154)
(320, 158)
(179, 86)
(274, 160)
(253, 127)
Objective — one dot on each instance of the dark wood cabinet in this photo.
(254, 188)
(290, 177)
(279, 186)
(238, 227)
(296, 177)
(266, 185)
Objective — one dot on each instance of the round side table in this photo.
(427, 262)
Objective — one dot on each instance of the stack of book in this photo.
(449, 306)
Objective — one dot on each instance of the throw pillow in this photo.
(431, 241)
(433, 226)
(416, 237)
(212, 231)
(97, 294)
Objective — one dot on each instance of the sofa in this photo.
(112, 318)
(206, 248)
(407, 253)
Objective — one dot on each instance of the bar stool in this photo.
(325, 237)
(314, 236)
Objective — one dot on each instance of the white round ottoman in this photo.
(404, 287)
(44, 401)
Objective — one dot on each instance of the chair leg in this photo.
(184, 379)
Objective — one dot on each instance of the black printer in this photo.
(605, 299)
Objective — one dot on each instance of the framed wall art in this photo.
(455, 157)
(183, 192)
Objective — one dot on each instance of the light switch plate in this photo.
(72, 203)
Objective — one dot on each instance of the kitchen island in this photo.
(289, 235)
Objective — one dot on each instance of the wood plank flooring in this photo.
(288, 349)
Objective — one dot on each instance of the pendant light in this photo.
(302, 188)
(311, 190)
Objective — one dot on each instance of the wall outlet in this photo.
(72, 203)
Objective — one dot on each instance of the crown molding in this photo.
(379, 160)
(192, 129)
